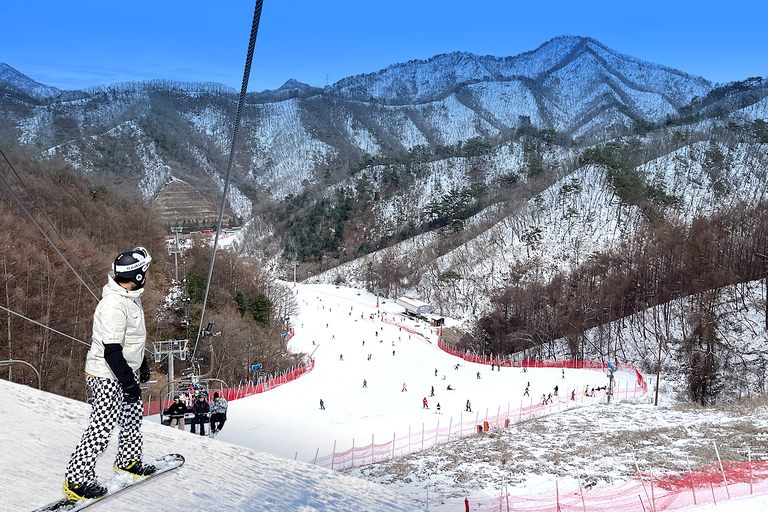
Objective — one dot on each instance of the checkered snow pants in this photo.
(108, 407)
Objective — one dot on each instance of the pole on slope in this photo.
(749, 458)
(581, 491)
(437, 433)
(334, 454)
(314, 462)
(450, 423)
(409, 439)
(722, 470)
(394, 434)
(642, 482)
(371, 448)
(690, 475)
(422, 436)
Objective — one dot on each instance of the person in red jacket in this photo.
(424, 403)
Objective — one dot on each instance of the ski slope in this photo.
(42, 430)
(248, 467)
(287, 421)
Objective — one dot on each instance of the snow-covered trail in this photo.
(287, 421)
(42, 430)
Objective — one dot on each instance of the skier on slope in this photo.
(114, 367)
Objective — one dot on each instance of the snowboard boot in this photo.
(136, 468)
(83, 492)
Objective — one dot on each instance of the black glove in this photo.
(144, 372)
(132, 393)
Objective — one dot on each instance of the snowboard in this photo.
(117, 484)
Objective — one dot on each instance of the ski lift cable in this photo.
(235, 131)
(13, 194)
(43, 325)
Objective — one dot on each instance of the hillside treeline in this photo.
(94, 223)
(662, 262)
(90, 223)
(249, 311)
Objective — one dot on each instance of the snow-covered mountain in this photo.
(25, 83)
(291, 137)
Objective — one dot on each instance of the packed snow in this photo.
(250, 466)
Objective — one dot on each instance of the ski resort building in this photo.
(418, 309)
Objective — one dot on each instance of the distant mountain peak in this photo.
(25, 83)
(293, 85)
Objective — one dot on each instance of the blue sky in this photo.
(72, 45)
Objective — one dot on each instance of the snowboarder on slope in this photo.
(424, 404)
(526, 389)
(322, 404)
(114, 367)
(432, 393)
(404, 388)
(365, 383)
(469, 407)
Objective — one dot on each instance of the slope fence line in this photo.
(446, 429)
(643, 492)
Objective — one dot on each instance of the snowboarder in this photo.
(363, 342)
(341, 357)
(432, 393)
(526, 389)
(114, 367)
(456, 367)
(478, 375)
(404, 388)
(555, 390)
(449, 388)
(438, 408)
(424, 404)
(469, 407)
(369, 357)
(322, 404)
(393, 353)
(218, 413)
(365, 383)
(435, 372)
(563, 374)
(492, 366)
(573, 395)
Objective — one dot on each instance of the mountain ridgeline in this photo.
(537, 196)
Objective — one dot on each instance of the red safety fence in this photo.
(531, 363)
(155, 406)
(641, 493)
(448, 430)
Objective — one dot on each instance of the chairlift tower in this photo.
(295, 264)
(170, 348)
(176, 251)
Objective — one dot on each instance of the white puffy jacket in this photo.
(119, 318)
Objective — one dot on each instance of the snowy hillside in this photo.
(217, 476)
(23, 82)
(574, 85)
(599, 442)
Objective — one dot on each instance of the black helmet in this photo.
(132, 266)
